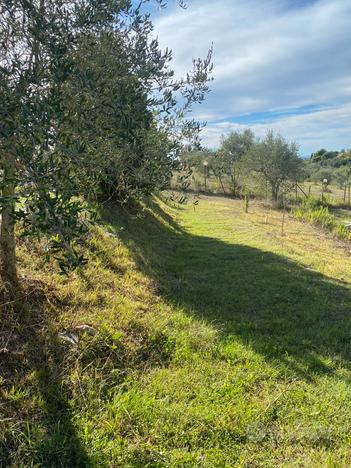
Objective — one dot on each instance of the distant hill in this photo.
(331, 158)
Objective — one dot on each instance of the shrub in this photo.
(313, 213)
(342, 232)
(311, 203)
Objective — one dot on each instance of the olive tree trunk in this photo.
(275, 192)
(274, 195)
(232, 178)
(7, 231)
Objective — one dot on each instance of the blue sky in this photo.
(281, 64)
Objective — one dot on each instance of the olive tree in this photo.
(231, 153)
(88, 105)
(277, 160)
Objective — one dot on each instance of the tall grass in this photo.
(312, 211)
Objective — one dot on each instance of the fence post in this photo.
(283, 220)
(246, 203)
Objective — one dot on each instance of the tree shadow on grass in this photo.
(289, 314)
(42, 432)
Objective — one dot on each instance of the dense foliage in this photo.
(331, 165)
(89, 106)
(277, 160)
(272, 161)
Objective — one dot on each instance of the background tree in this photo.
(277, 161)
(323, 157)
(219, 168)
(331, 165)
(232, 151)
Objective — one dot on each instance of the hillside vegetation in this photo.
(195, 336)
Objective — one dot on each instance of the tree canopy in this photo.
(277, 160)
(231, 154)
(89, 107)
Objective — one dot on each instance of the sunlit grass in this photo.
(219, 341)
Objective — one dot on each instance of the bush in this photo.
(318, 216)
(311, 203)
(313, 213)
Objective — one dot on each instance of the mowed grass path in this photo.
(219, 343)
(267, 381)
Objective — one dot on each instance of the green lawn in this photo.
(219, 342)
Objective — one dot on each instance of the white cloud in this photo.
(330, 128)
(268, 54)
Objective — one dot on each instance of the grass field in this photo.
(216, 341)
(335, 195)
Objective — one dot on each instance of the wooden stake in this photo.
(283, 220)
(246, 203)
